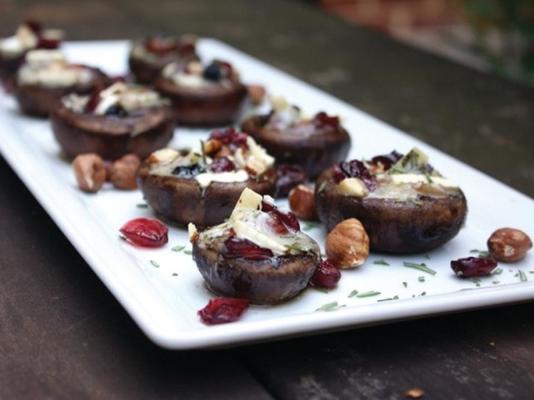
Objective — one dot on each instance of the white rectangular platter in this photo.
(162, 289)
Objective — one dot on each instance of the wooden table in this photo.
(63, 335)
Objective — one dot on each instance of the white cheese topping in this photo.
(24, 39)
(206, 178)
(401, 179)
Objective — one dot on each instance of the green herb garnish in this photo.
(330, 306)
(353, 293)
(178, 248)
(481, 253)
(421, 279)
(154, 263)
(308, 225)
(389, 298)
(522, 276)
(497, 271)
(368, 294)
(496, 282)
(188, 252)
(405, 284)
(142, 205)
(420, 267)
(174, 274)
(381, 262)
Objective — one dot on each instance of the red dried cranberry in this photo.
(357, 169)
(387, 160)
(326, 275)
(243, 248)
(222, 310)
(34, 26)
(287, 177)
(322, 119)
(289, 220)
(47, 43)
(337, 174)
(145, 232)
(473, 266)
(93, 101)
(223, 164)
(160, 45)
(230, 137)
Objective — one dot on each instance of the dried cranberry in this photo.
(47, 43)
(288, 220)
(145, 232)
(357, 169)
(34, 26)
(322, 119)
(222, 310)
(287, 177)
(160, 45)
(223, 164)
(473, 266)
(243, 248)
(230, 137)
(93, 101)
(326, 275)
(387, 160)
(337, 174)
(213, 72)
(188, 171)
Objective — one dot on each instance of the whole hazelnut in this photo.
(212, 146)
(347, 245)
(509, 244)
(256, 94)
(302, 202)
(89, 171)
(124, 172)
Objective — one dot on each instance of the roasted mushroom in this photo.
(313, 143)
(148, 57)
(259, 254)
(119, 120)
(209, 95)
(46, 77)
(29, 35)
(203, 186)
(405, 205)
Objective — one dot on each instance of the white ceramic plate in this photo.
(162, 289)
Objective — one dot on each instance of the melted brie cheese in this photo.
(206, 178)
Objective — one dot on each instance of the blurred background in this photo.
(495, 36)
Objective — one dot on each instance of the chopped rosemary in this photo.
(423, 294)
(420, 267)
(522, 276)
(531, 272)
(330, 306)
(174, 274)
(353, 293)
(154, 263)
(142, 205)
(389, 298)
(320, 289)
(497, 271)
(405, 284)
(178, 248)
(421, 279)
(381, 262)
(188, 252)
(481, 253)
(368, 294)
(495, 282)
(309, 225)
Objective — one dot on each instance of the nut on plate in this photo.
(256, 93)
(509, 244)
(347, 245)
(123, 173)
(89, 171)
(302, 202)
(414, 393)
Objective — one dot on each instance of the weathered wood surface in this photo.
(63, 335)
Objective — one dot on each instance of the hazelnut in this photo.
(256, 94)
(212, 146)
(90, 172)
(124, 172)
(302, 202)
(414, 393)
(509, 244)
(347, 245)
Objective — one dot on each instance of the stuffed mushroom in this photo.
(313, 143)
(210, 95)
(29, 36)
(121, 119)
(148, 57)
(258, 254)
(46, 77)
(203, 186)
(405, 205)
